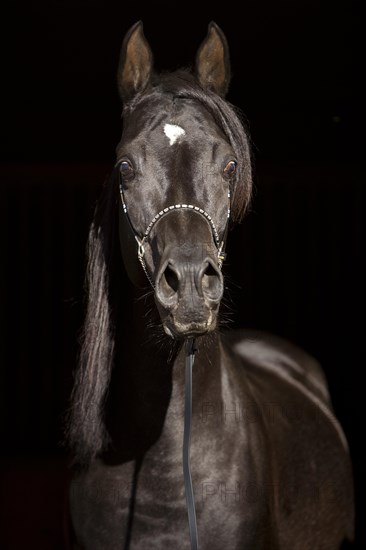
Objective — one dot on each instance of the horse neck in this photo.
(148, 380)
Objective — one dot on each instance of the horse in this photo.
(269, 461)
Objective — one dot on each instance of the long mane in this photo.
(86, 432)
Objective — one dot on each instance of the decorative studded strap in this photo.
(141, 241)
(179, 207)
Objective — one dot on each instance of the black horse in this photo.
(270, 463)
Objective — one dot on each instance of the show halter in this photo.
(220, 245)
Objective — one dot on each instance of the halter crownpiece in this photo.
(141, 240)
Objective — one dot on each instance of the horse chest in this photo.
(144, 502)
(224, 517)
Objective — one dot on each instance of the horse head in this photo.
(184, 170)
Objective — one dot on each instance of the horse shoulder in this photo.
(309, 457)
(269, 352)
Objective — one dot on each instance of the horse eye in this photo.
(126, 169)
(230, 169)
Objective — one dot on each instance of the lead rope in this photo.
(190, 351)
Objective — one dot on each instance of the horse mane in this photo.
(86, 432)
(85, 429)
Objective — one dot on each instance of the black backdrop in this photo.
(295, 265)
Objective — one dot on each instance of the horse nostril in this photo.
(212, 284)
(171, 279)
(168, 283)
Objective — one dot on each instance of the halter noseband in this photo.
(220, 245)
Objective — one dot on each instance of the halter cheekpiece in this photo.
(220, 245)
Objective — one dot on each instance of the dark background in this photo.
(294, 267)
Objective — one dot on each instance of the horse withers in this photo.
(270, 464)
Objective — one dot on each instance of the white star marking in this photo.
(173, 132)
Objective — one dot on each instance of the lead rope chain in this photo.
(192, 522)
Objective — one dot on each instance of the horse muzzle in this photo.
(188, 293)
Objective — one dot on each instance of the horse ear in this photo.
(135, 63)
(212, 61)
